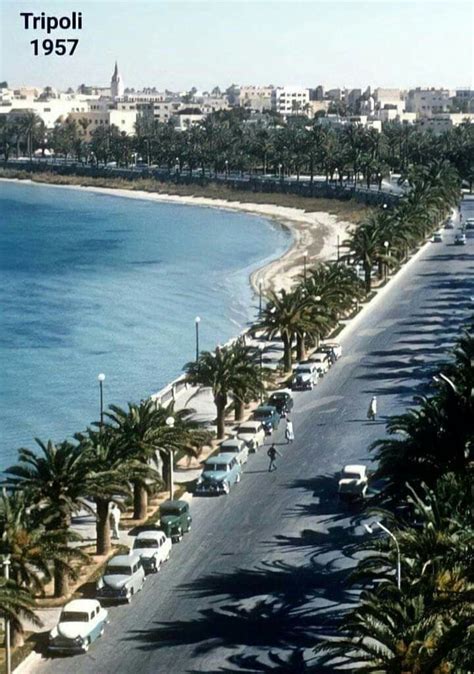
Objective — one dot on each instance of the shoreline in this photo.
(313, 232)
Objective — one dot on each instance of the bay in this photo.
(95, 283)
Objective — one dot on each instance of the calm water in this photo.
(92, 283)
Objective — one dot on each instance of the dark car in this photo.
(268, 416)
(175, 519)
(282, 400)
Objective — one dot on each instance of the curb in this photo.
(28, 664)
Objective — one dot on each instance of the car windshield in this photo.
(169, 511)
(279, 396)
(212, 467)
(303, 369)
(351, 476)
(118, 571)
(74, 617)
(146, 543)
(262, 414)
(247, 429)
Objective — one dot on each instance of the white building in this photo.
(389, 97)
(255, 98)
(290, 100)
(427, 102)
(443, 122)
(51, 111)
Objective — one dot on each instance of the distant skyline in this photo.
(177, 44)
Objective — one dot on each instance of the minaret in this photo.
(116, 84)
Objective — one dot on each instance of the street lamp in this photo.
(370, 530)
(386, 244)
(280, 166)
(101, 378)
(385, 206)
(260, 286)
(338, 245)
(197, 320)
(305, 263)
(170, 423)
(8, 655)
(226, 168)
(177, 164)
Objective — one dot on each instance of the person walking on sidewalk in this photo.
(289, 432)
(272, 453)
(115, 520)
(372, 411)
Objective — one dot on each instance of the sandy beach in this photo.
(315, 233)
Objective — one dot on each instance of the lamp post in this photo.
(177, 165)
(226, 168)
(280, 166)
(357, 268)
(260, 285)
(101, 378)
(8, 655)
(170, 423)
(338, 245)
(370, 530)
(197, 320)
(386, 245)
(305, 264)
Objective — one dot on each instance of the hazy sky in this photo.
(176, 44)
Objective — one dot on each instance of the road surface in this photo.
(262, 570)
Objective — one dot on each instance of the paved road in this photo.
(263, 568)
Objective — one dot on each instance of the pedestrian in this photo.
(272, 453)
(372, 411)
(115, 520)
(289, 432)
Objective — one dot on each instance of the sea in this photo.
(93, 283)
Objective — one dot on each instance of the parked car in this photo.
(81, 622)
(268, 416)
(154, 548)
(123, 577)
(220, 473)
(353, 482)
(321, 360)
(331, 347)
(449, 224)
(237, 447)
(437, 237)
(305, 377)
(175, 519)
(282, 400)
(469, 223)
(252, 433)
(460, 240)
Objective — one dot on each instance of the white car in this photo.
(81, 622)
(123, 577)
(252, 433)
(335, 347)
(353, 482)
(322, 362)
(154, 548)
(305, 377)
(237, 447)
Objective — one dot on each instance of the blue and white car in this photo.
(219, 474)
(123, 577)
(81, 622)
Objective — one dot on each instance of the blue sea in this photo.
(94, 283)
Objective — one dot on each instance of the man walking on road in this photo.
(115, 520)
(272, 453)
(289, 432)
(372, 411)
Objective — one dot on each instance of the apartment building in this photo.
(290, 100)
(427, 102)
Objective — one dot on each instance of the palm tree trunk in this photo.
(61, 580)
(239, 409)
(140, 501)
(368, 280)
(220, 403)
(300, 348)
(103, 544)
(287, 358)
(16, 636)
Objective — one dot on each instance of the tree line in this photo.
(232, 141)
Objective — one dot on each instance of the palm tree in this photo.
(16, 605)
(230, 370)
(56, 482)
(287, 315)
(365, 245)
(140, 429)
(110, 471)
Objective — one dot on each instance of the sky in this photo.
(177, 44)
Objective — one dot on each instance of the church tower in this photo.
(116, 84)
